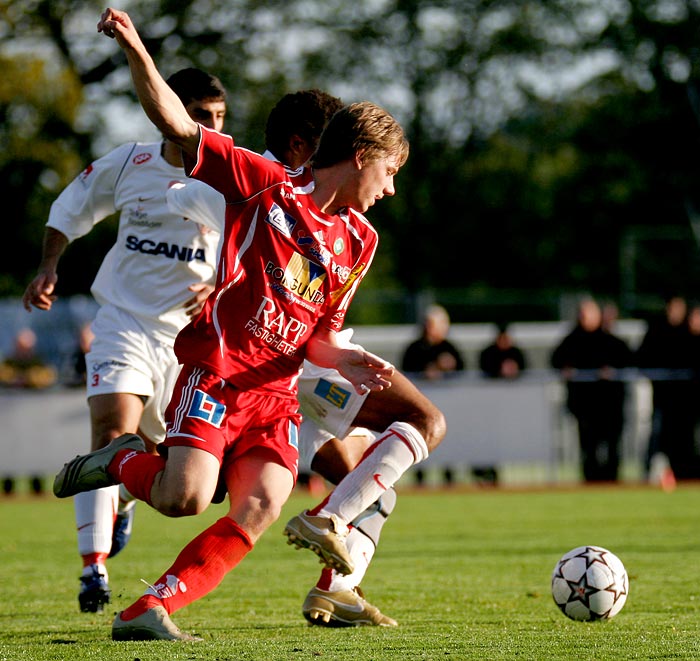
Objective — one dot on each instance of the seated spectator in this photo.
(502, 359)
(24, 367)
(432, 355)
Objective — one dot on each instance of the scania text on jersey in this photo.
(169, 250)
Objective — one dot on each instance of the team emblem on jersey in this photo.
(281, 221)
(332, 393)
(142, 158)
(86, 172)
(205, 407)
(338, 246)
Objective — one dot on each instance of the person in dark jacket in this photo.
(432, 355)
(589, 359)
(666, 357)
(502, 359)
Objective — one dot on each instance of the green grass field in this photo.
(466, 573)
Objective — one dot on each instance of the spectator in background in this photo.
(665, 356)
(693, 323)
(76, 370)
(610, 313)
(502, 359)
(432, 355)
(24, 367)
(589, 359)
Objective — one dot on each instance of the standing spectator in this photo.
(432, 355)
(153, 280)
(589, 359)
(693, 323)
(665, 356)
(502, 359)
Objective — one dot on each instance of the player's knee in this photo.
(438, 429)
(175, 504)
(433, 426)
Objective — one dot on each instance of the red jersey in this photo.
(284, 267)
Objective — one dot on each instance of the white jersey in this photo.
(157, 254)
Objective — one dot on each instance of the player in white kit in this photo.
(331, 407)
(154, 279)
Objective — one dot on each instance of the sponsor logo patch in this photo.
(301, 276)
(281, 221)
(332, 393)
(205, 407)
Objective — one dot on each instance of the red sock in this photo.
(199, 568)
(94, 559)
(325, 581)
(137, 471)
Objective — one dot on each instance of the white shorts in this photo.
(328, 404)
(124, 358)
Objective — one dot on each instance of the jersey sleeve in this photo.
(229, 169)
(198, 202)
(89, 198)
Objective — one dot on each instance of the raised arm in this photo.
(159, 102)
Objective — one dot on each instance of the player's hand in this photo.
(39, 292)
(193, 306)
(366, 371)
(117, 25)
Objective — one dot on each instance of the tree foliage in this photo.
(542, 133)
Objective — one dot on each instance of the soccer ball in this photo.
(590, 583)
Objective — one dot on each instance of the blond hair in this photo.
(361, 128)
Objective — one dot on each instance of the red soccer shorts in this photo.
(208, 413)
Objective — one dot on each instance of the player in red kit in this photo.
(294, 251)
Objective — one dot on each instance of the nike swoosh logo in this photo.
(87, 525)
(355, 608)
(376, 477)
(144, 199)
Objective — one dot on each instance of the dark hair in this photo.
(361, 128)
(304, 113)
(196, 85)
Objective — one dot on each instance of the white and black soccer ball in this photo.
(590, 583)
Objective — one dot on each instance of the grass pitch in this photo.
(466, 573)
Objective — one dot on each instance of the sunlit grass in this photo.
(465, 572)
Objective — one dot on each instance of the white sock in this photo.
(361, 550)
(395, 451)
(94, 516)
(126, 500)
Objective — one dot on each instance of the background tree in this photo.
(544, 134)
